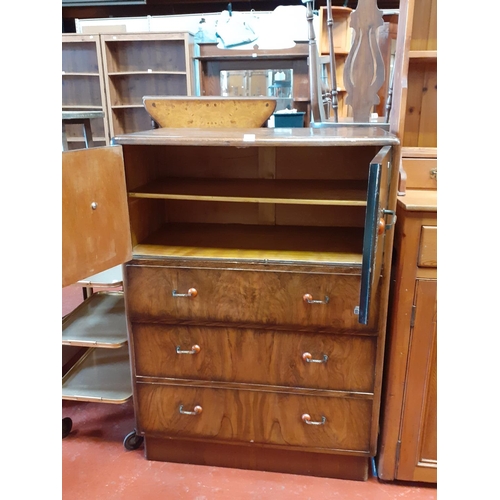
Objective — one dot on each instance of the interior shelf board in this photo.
(295, 192)
(80, 107)
(125, 106)
(255, 242)
(100, 375)
(73, 73)
(145, 72)
(98, 321)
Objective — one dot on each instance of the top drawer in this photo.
(427, 254)
(245, 297)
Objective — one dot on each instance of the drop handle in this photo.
(196, 410)
(307, 357)
(194, 350)
(309, 299)
(306, 418)
(192, 292)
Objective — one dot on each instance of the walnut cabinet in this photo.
(257, 292)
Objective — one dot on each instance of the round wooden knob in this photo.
(381, 226)
(196, 349)
(198, 409)
(307, 297)
(193, 292)
(306, 417)
(307, 356)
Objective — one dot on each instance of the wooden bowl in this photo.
(209, 112)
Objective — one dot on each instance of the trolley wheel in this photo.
(67, 424)
(132, 441)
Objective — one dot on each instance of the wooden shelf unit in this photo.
(83, 86)
(408, 439)
(140, 64)
(256, 291)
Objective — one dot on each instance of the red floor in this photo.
(95, 465)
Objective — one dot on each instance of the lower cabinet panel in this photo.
(248, 416)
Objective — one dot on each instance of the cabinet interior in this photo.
(267, 203)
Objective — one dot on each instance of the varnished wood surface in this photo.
(400, 333)
(249, 456)
(255, 242)
(418, 458)
(246, 297)
(255, 356)
(209, 111)
(296, 192)
(93, 240)
(419, 200)
(427, 256)
(260, 417)
(341, 136)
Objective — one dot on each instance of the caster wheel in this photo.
(132, 441)
(67, 424)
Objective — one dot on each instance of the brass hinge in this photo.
(412, 319)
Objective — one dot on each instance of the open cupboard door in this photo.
(375, 228)
(95, 219)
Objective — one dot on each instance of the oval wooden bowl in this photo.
(209, 112)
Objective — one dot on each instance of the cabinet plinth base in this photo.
(253, 458)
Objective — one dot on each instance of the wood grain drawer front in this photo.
(245, 297)
(254, 417)
(255, 357)
(427, 255)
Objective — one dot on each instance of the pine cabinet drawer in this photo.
(323, 361)
(259, 417)
(246, 297)
(427, 256)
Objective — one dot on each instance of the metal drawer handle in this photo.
(307, 356)
(192, 292)
(309, 299)
(196, 410)
(194, 350)
(306, 418)
(433, 173)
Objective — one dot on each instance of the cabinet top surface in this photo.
(335, 136)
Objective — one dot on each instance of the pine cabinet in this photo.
(408, 438)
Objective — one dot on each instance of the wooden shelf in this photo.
(101, 375)
(295, 192)
(68, 73)
(132, 73)
(242, 241)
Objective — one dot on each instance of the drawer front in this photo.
(421, 173)
(255, 356)
(254, 417)
(246, 297)
(427, 255)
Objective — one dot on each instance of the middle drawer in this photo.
(322, 361)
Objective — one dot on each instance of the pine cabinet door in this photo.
(418, 452)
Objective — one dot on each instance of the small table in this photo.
(83, 118)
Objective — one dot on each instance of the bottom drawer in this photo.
(225, 415)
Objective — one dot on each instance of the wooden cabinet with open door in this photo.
(256, 291)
